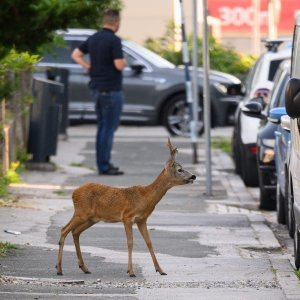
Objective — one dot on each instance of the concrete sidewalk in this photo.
(217, 247)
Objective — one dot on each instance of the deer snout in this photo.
(191, 179)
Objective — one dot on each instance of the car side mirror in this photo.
(253, 109)
(275, 114)
(137, 67)
(292, 98)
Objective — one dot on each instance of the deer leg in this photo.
(73, 223)
(76, 233)
(129, 235)
(145, 234)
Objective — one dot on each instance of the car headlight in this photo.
(268, 155)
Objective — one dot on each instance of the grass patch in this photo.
(60, 193)
(77, 165)
(223, 144)
(4, 247)
(297, 272)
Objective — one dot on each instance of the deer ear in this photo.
(173, 150)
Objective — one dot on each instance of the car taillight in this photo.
(264, 93)
(253, 149)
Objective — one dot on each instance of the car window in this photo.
(250, 77)
(150, 56)
(129, 58)
(278, 93)
(273, 68)
(256, 71)
(62, 54)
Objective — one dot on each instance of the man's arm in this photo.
(78, 57)
(119, 63)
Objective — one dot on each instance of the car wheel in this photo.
(176, 116)
(267, 199)
(291, 217)
(286, 201)
(248, 169)
(236, 153)
(280, 205)
(297, 248)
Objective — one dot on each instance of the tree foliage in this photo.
(222, 58)
(26, 25)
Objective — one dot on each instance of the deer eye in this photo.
(179, 170)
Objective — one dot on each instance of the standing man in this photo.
(105, 69)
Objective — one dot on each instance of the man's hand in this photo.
(120, 64)
(78, 57)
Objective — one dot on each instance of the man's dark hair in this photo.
(111, 16)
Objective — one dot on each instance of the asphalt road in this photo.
(211, 247)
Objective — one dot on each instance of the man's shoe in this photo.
(111, 166)
(112, 171)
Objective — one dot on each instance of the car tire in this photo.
(286, 201)
(297, 248)
(291, 217)
(248, 169)
(176, 117)
(236, 153)
(280, 206)
(267, 199)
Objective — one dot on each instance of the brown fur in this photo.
(95, 202)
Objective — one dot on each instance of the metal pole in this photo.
(256, 27)
(195, 79)
(188, 84)
(207, 119)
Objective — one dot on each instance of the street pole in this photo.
(256, 27)
(188, 84)
(207, 119)
(195, 78)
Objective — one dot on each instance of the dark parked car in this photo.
(266, 136)
(154, 88)
(282, 145)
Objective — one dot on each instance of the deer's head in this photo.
(175, 171)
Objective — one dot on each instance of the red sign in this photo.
(237, 16)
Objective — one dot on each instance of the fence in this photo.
(15, 118)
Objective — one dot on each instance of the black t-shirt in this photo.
(103, 47)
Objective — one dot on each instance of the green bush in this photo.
(11, 176)
(222, 58)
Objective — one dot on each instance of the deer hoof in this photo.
(87, 272)
(59, 273)
(161, 272)
(132, 275)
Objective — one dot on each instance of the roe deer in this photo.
(97, 202)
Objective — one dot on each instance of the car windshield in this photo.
(62, 54)
(150, 56)
(278, 93)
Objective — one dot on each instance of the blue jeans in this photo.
(108, 108)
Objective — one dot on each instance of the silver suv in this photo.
(154, 88)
